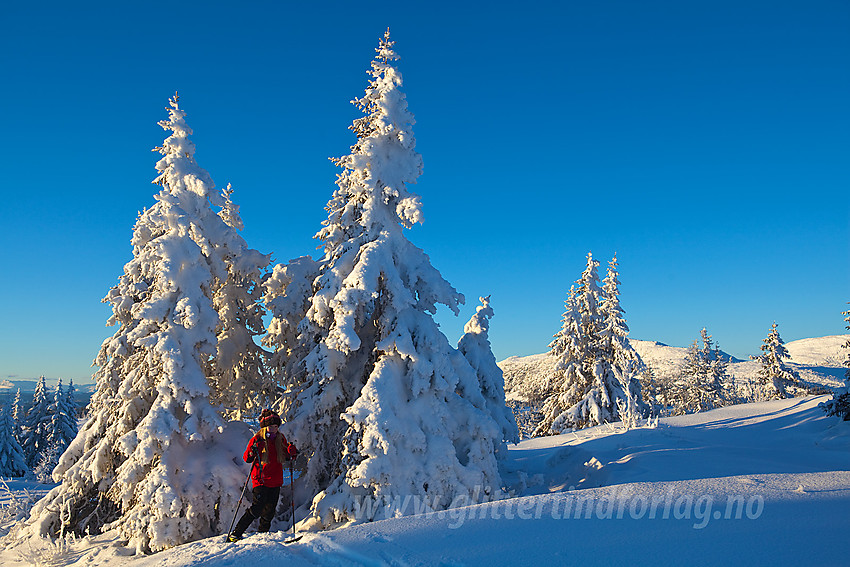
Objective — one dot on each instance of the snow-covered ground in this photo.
(752, 484)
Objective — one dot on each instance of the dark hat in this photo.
(268, 417)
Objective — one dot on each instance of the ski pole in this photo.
(241, 496)
(292, 492)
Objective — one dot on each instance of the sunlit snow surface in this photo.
(765, 483)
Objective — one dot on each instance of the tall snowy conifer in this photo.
(376, 406)
(58, 433)
(620, 365)
(36, 425)
(63, 421)
(568, 374)
(71, 399)
(18, 414)
(149, 458)
(774, 372)
(595, 375)
(703, 373)
(475, 346)
(12, 460)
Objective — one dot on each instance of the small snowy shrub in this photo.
(46, 552)
(838, 406)
(43, 470)
(14, 506)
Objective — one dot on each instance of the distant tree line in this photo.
(33, 438)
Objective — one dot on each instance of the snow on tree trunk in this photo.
(475, 347)
(154, 456)
(375, 398)
(12, 460)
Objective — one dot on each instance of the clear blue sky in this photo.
(707, 143)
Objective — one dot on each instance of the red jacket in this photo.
(269, 473)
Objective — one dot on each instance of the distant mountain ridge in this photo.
(822, 351)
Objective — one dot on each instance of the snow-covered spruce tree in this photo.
(18, 415)
(702, 376)
(63, 422)
(154, 458)
(568, 374)
(240, 383)
(774, 373)
(36, 425)
(475, 346)
(71, 401)
(58, 433)
(12, 460)
(620, 366)
(596, 374)
(377, 410)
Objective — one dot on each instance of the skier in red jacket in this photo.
(268, 450)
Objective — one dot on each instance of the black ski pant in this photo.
(263, 507)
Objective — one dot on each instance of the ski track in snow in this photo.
(638, 497)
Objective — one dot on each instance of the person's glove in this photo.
(293, 452)
(251, 457)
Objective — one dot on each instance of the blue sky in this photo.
(706, 143)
